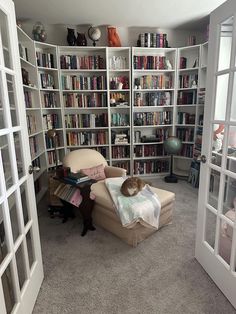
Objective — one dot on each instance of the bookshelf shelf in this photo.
(30, 87)
(189, 69)
(153, 90)
(40, 68)
(82, 70)
(84, 90)
(154, 71)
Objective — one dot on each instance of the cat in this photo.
(132, 186)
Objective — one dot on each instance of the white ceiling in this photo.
(128, 13)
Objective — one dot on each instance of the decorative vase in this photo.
(71, 39)
(81, 40)
(113, 37)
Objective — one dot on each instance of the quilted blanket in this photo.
(144, 207)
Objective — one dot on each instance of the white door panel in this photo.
(216, 227)
(21, 271)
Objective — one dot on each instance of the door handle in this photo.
(33, 169)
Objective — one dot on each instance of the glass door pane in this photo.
(225, 44)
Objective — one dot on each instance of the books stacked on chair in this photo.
(76, 178)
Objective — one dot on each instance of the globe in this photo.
(94, 34)
(172, 145)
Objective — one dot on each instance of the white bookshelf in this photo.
(153, 99)
(50, 100)
(126, 122)
(33, 110)
(188, 72)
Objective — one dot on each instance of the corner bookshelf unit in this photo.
(201, 99)
(51, 111)
(154, 98)
(119, 100)
(33, 110)
(95, 93)
(83, 79)
(186, 106)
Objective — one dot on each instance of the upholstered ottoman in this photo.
(104, 215)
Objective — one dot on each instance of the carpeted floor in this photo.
(100, 274)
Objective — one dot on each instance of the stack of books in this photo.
(76, 178)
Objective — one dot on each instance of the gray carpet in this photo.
(102, 275)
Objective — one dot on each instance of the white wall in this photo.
(56, 34)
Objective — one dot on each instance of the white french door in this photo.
(21, 271)
(216, 227)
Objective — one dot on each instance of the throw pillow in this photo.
(96, 173)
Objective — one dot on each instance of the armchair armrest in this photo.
(111, 172)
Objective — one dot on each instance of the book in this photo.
(77, 177)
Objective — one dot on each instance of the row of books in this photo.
(49, 100)
(154, 81)
(86, 120)
(50, 142)
(36, 162)
(185, 118)
(31, 123)
(120, 152)
(151, 166)
(33, 146)
(47, 81)
(151, 63)
(51, 158)
(23, 52)
(85, 100)
(185, 134)
(149, 150)
(117, 63)
(82, 62)
(152, 118)
(153, 40)
(83, 82)
(115, 80)
(76, 178)
(45, 59)
(122, 164)
(153, 99)
(201, 96)
(188, 81)
(182, 63)
(51, 121)
(68, 192)
(201, 119)
(160, 135)
(198, 140)
(86, 138)
(120, 97)
(187, 97)
(187, 151)
(28, 99)
(120, 119)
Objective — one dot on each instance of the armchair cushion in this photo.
(111, 172)
(96, 173)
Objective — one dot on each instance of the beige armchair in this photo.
(87, 158)
(104, 212)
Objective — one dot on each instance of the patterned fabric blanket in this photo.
(144, 207)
